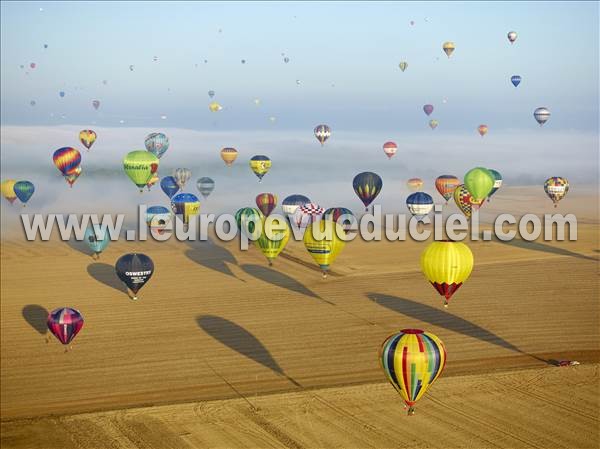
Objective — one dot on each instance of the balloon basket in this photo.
(411, 411)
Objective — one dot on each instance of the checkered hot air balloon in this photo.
(464, 200)
(307, 213)
(65, 323)
(556, 188)
(322, 133)
(412, 361)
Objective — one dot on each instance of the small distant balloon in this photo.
(541, 115)
(61, 94)
(286, 59)
(22, 66)
(215, 107)
(448, 48)
(482, 129)
(433, 124)
(512, 36)
(155, 58)
(211, 93)
(131, 68)
(412, 22)
(243, 61)
(45, 45)
(298, 82)
(403, 65)
(96, 104)
(515, 80)
(32, 102)
(104, 82)
(428, 109)
(32, 65)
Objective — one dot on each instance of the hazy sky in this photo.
(345, 55)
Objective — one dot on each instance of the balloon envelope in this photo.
(479, 182)
(322, 133)
(446, 185)
(266, 202)
(419, 204)
(169, 185)
(229, 155)
(186, 205)
(322, 241)
(515, 80)
(97, 238)
(205, 186)
(135, 270)
(182, 175)
(556, 188)
(87, 137)
(66, 159)
(497, 182)
(8, 190)
(367, 186)
(428, 109)
(140, 166)
(157, 144)
(390, 148)
(65, 323)
(24, 190)
(541, 115)
(412, 361)
(260, 165)
(448, 48)
(293, 202)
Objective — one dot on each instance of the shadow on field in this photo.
(240, 340)
(278, 279)
(211, 256)
(80, 247)
(106, 274)
(443, 319)
(36, 316)
(537, 246)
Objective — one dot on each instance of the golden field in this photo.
(223, 351)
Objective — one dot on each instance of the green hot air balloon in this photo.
(140, 166)
(479, 182)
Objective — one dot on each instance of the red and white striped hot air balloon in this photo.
(390, 148)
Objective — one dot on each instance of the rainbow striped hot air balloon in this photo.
(412, 361)
(66, 159)
(447, 265)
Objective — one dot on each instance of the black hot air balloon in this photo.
(134, 270)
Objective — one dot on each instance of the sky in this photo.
(342, 71)
(344, 54)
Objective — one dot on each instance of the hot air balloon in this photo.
(428, 109)
(260, 165)
(169, 185)
(131, 67)
(186, 205)
(140, 166)
(367, 186)
(158, 218)
(390, 148)
(446, 185)
(157, 144)
(248, 221)
(32, 65)
(403, 65)
(414, 184)
(497, 182)
(32, 103)
(66, 159)
(463, 199)
(419, 204)
(182, 175)
(65, 323)
(215, 107)
(412, 360)
(479, 182)
(229, 155)
(447, 265)
(336, 213)
(556, 188)
(153, 180)
(87, 137)
(97, 238)
(205, 186)
(293, 202)
(322, 241)
(515, 80)
(24, 190)
(541, 115)
(272, 238)
(448, 48)
(306, 214)
(8, 190)
(482, 129)
(96, 104)
(433, 124)
(286, 59)
(322, 133)
(134, 270)
(61, 94)
(72, 177)
(512, 36)
(211, 93)
(266, 202)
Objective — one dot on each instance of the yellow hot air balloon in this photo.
(8, 190)
(274, 235)
(229, 155)
(447, 265)
(260, 165)
(448, 48)
(215, 107)
(322, 240)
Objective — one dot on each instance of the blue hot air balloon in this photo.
(419, 204)
(24, 190)
(293, 202)
(367, 186)
(186, 205)
(515, 80)
(169, 185)
(97, 238)
(134, 270)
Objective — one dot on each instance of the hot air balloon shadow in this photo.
(443, 319)
(278, 279)
(37, 317)
(105, 274)
(537, 246)
(211, 256)
(80, 246)
(241, 341)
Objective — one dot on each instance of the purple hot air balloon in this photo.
(428, 108)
